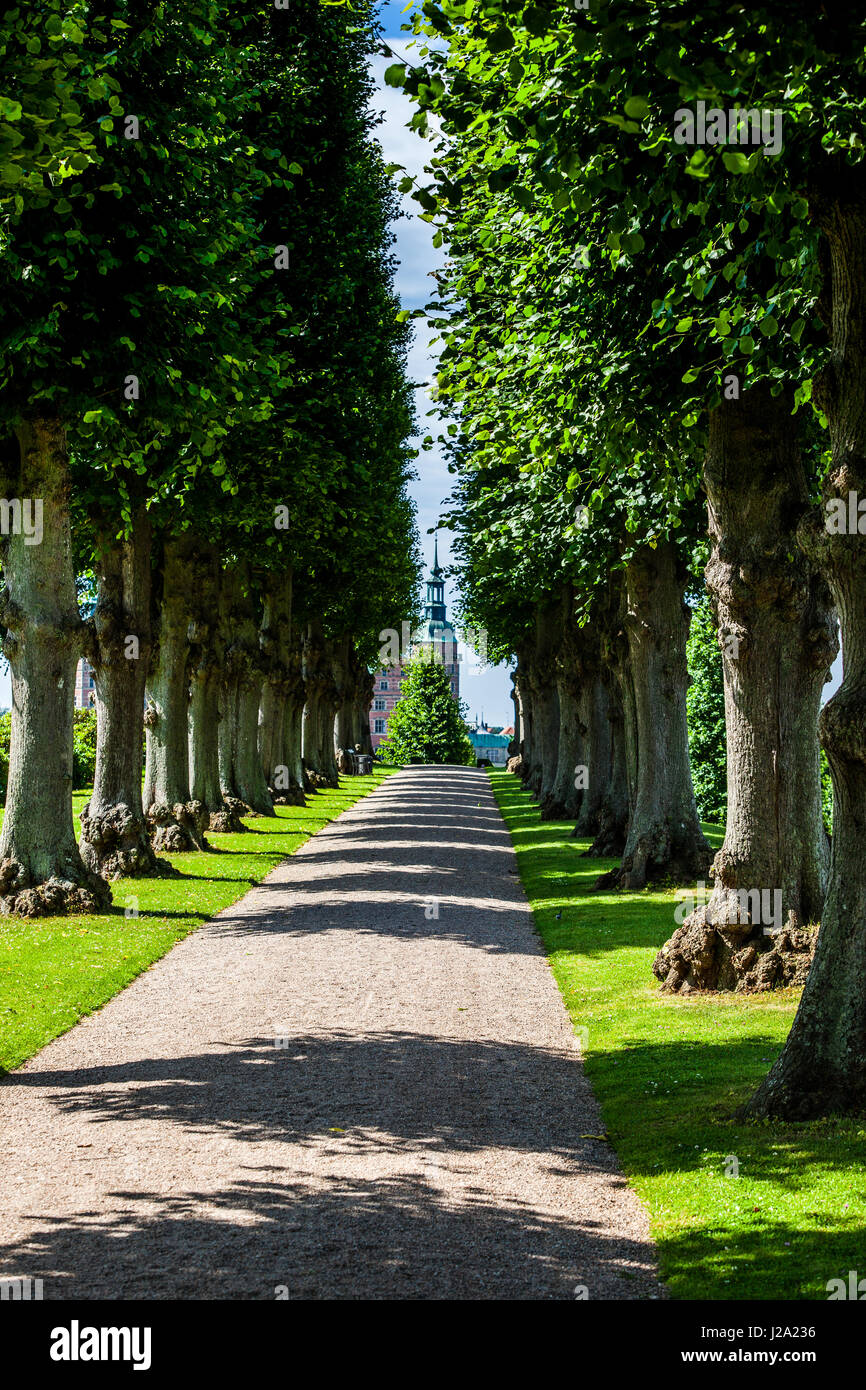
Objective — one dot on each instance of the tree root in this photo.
(227, 820)
(288, 796)
(657, 855)
(115, 845)
(703, 955)
(178, 828)
(609, 841)
(57, 896)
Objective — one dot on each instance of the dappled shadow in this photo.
(443, 1091)
(389, 1238)
(676, 1076)
(771, 1256)
(378, 873)
(346, 1212)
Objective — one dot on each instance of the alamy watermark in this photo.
(20, 1290)
(740, 126)
(22, 516)
(845, 518)
(762, 907)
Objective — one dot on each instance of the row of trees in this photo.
(653, 353)
(205, 416)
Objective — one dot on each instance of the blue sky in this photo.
(485, 689)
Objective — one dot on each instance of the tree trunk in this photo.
(595, 715)
(617, 798)
(114, 833)
(614, 808)
(209, 633)
(321, 700)
(566, 792)
(664, 838)
(777, 633)
(822, 1068)
(523, 676)
(241, 776)
(279, 748)
(342, 729)
(564, 798)
(364, 686)
(514, 745)
(177, 822)
(545, 699)
(41, 870)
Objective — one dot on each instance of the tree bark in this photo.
(619, 783)
(209, 634)
(514, 745)
(595, 716)
(319, 711)
(822, 1068)
(364, 687)
(545, 699)
(279, 746)
(41, 870)
(342, 669)
(777, 634)
(242, 778)
(565, 794)
(523, 678)
(177, 822)
(114, 832)
(664, 837)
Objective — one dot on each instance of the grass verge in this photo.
(54, 970)
(669, 1073)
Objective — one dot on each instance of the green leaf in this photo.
(536, 20)
(637, 108)
(501, 39)
(735, 163)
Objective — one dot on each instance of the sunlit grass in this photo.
(54, 970)
(669, 1073)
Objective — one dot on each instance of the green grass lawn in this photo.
(54, 970)
(669, 1073)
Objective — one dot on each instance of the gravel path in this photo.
(332, 1092)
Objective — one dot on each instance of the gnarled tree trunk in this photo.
(176, 821)
(822, 1068)
(620, 780)
(114, 833)
(514, 745)
(566, 792)
(524, 682)
(777, 633)
(41, 869)
(209, 634)
(364, 686)
(664, 835)
(242, 778)
(279, 741)
(320, 709)
(545, 699)
(341, 665)
(594, 713)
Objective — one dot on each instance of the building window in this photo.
(378, 726)
(383, 685)
(378, 704)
